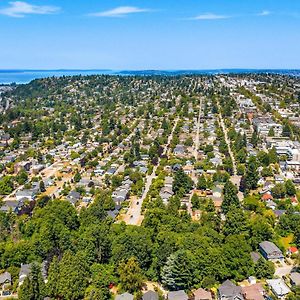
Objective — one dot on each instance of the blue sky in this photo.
(149, 34)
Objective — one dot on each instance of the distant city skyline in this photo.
(147, 34)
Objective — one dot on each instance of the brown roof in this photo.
(254, 292)
(202, 294)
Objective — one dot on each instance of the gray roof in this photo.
(125, 296)
(231, 291)
(150, 295)
(5, 278)
(295, 277)
(269, 247)
(255, 256)
(24, 272)
(178, 295)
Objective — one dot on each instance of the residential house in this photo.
(26, 194)
(178, 295)
(202, 294)
(179, 150)
(229, 291)
(73, 197)
(254, 292)
(278, 287)
(5, 283)
(295, 278)
(166, 193)
(125, 296)
(270, 251)
(150, 295)
(24, 272)
(120, 195)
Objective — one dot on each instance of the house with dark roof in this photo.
(229, 291)
(270, 251)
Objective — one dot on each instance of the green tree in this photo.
(182, 183)
(290, 188)
(278, 191)
(33, 287)
(251, 175)
(178, 272)
(131, 278)
(230, 197)
(202, 183)
(264, 269)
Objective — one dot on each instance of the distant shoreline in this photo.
(23, 76)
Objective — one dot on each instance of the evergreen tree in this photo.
(177, 274)
(251, 176)
(33, 287)
(230, 197)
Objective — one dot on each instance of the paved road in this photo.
(224, 128)
(283, 270)
(134, 214)
(197, 140)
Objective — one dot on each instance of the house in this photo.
(202, 294)
(230, 291)
(267, 197)
(169, 182)
(254, 292)
(5, 282)
(120, 195)
(24, 272)
(179, 150)
(10, 205)
(73, 197)
(150, 295)
(125, 296)
(292, 250)
(278, 287)
(178, 295)
(295, 278)
(166, 193)
(270, 251)
(28, 194)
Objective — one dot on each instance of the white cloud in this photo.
(19, 9)
(210, 16)
(121, 11)
(264, 13)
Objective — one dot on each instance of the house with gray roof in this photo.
(278, 287)
(150, 295)
(295, 278)
(178, 295)
(270, 251)
(73, 197)
(229, 291)
(5, 282)
(24, 272)
(125, 296)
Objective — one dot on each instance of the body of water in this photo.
(25, 76)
